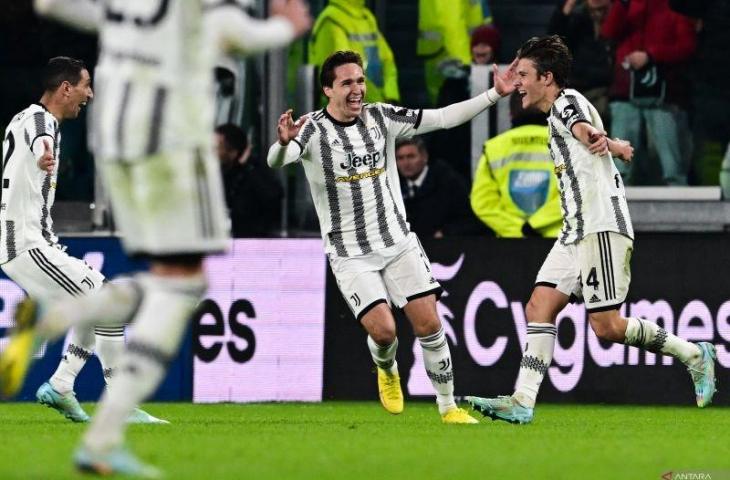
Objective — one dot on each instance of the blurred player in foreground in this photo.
(153, 122)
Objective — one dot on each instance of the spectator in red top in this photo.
(653, 45)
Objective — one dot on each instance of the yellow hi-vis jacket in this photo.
(444, 35)
(514, 184)
(349, 25)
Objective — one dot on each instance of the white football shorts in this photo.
(49, 273)
(394, 275)
(169, 203)
(596, 269)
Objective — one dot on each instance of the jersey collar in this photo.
(337, 122)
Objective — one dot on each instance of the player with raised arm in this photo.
(348, 153)
(591, 257)
(152, 137)
(30, 253)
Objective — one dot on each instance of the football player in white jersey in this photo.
(591, 257)
(29, 250)
(152, 137)
(348, 153)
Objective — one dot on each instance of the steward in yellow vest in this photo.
(515, 192)
(444, 32)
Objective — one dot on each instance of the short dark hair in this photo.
(234, 136)
(416, 141)
(327, 72)
(549, 54)
(62, 69)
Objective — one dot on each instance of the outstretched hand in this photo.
(287, 128)
(504, 81)
(47, 162)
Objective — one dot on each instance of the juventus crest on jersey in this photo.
(27, 191)
(353, 177)
(592, 194)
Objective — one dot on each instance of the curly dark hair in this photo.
(549, 54)
(327, 73)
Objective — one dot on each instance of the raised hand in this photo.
(296, 11)
(504, 81)
(287, 128)
(47, 162)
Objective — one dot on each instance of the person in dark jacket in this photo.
(653, 46)
(711, 94)
(253, 193)
(435, 196)
(580, 25)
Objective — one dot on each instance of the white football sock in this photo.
(384, 356)
(109, 349)
(437, 360)
(153, 341)
(650, 336)
(80, 348)
(535, 362)
(112, 305)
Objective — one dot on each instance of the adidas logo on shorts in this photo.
(594, 299)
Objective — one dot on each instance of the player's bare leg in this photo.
(542, 309)
(383, 344)
(436, 356)
(698, 357)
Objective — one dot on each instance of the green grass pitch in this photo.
(359, 440)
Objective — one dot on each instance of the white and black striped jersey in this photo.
(154, 78)
(592, 194)
(352, 172)
(353, 177)
(27, 191)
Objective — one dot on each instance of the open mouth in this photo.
(354, 102)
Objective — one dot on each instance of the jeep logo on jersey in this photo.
(355, 161)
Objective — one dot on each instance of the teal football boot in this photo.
(117, 462)
(703, 376)
(504, 407)
(66, 405)
(139, 416)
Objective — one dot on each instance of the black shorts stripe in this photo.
(59, 272)
(158, 109)
(52, 271)
(606, 242)
(610, 265)
(606, 308)
(367, 309)
(604, 268)
(438, 291)
(122, 118)
(206, 212)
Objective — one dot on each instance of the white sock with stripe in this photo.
(80, 348)
(535, 362)
(109, 348)
(653, 338)
(437, 360)
(153, 341)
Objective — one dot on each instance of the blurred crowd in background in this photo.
(654, 69)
